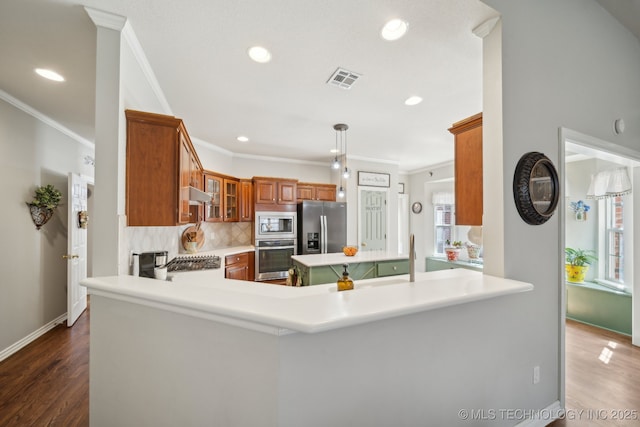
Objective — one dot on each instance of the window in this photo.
(443, 221)
(614, 239)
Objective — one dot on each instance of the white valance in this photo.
(609, 183)
(442, 198)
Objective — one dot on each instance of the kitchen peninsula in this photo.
(203, 351)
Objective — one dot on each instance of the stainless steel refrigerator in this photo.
(322, 227)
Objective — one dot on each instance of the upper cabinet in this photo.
(274, 194)
(468, 170)
(161, 165)
(225, 195)
(246, 200)
(309, 191)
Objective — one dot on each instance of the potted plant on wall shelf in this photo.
(453, 250)
(46, 199)
(577, 263)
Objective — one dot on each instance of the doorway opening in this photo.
(581, 157)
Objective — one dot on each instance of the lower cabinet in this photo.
(392, 268)
(323, 274)
(240, 266)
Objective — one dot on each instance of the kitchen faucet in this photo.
(412, 258)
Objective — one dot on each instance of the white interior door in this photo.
(373, 220)
(76, 249)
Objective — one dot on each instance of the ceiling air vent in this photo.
(343, 78)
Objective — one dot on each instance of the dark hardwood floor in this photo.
(47, 382)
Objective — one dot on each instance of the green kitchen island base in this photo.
(323, 268)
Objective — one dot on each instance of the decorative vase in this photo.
(473, 251)
(576, 273)
(40, 214)
(452, 254)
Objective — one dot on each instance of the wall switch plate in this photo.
(536, 374)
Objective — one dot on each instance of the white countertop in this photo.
(340, 258)
(281, 310)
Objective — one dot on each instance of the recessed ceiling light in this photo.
(259, 54)
(394, 29)
(49, 74)
(242, 138)
(413, 100)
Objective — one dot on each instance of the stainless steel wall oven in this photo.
(273, 258)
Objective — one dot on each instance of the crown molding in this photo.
(141, 58)
(105, 19)
(45, 119)
(486, 27)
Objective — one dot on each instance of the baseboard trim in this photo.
(15, 347)
(543, 417)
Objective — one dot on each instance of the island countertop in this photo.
(316, 260)
(282, 310)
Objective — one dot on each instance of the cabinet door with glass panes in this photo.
(443, 222)
(231, 200)
(213, 209)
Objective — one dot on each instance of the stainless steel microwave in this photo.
(275, 225)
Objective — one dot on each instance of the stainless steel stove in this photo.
(193, 263)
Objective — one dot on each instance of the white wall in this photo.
(568, 64)
(33, 289)
(423, 184)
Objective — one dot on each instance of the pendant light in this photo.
(336, 163)
(346, 172)
(340, 161)
(341, 133)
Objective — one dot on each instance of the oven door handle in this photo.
(273, 248)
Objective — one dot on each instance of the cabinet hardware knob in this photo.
(395, 268)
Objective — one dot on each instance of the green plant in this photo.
(47, 197)
(580, 257)
(454, 244)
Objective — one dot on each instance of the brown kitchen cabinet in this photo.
(468, 170)
(274, 194)
(213, 185)
(161, 165)
(246, 200)
(224, 205)
(310, 191)
(231, 200)
(240, 266)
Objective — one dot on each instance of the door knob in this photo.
(70, 256)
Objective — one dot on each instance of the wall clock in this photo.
(535, 188)
(416, 207)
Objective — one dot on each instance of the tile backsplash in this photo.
(216, 235)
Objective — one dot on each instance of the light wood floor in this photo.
(602, 378)
(47, 382)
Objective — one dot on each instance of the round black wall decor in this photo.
(535, 188)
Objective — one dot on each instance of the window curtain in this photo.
(442, 198)
(609, 183)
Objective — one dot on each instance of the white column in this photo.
(110, 145)
(492, 159)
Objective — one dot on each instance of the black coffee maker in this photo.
(150, 260)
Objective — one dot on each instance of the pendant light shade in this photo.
(609, 183)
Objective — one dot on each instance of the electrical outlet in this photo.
(536, 374)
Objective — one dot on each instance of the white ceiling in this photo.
(197, 50)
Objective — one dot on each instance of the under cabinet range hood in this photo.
(197, 196)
